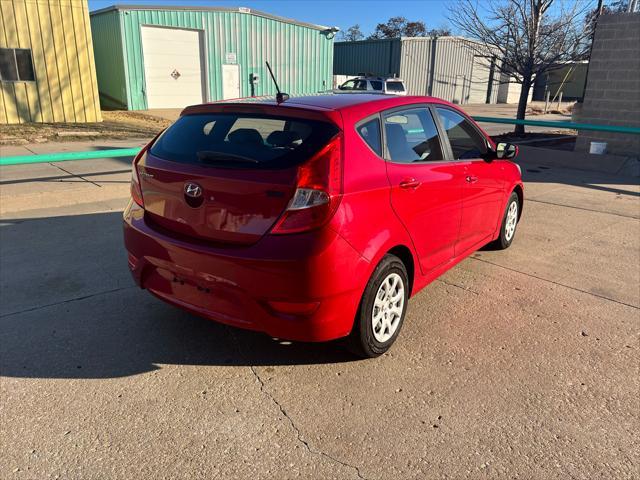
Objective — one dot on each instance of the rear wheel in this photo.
(382, 309)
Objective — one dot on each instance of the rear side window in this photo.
(242, 140)
(370, 133)
(466, 142)
(411, 136)
(376, 85)
(395, 87)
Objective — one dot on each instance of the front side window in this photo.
(466, 142)
(16, 65)
(354, 85)
(411, 136)
(370, 133)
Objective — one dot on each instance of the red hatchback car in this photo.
(316, 218)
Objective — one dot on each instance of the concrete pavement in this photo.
(515, 364)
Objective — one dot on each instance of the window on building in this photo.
(16, 65)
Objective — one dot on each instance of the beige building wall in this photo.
(58, 36)
(612, 94)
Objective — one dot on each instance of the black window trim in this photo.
(15, 62)
(434, 108)
(446, 149)
(445, 144)
(367, 119)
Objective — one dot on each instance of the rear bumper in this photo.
(234, 285)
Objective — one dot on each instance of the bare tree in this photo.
(528, 36)
(352, 34)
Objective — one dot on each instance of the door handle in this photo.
(410, 183)
(471, 179)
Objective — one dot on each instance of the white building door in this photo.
(173, 67)
(230, 81)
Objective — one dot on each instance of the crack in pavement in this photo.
(461, 287)
(296, 429)
(76, 299)
(75, 175)
(556, 283)
(311, 450)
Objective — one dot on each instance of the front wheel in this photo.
(382, 309)
(509, 222)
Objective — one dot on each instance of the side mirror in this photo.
(506, 150)
(341, 87)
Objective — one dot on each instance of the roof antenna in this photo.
(280, 97)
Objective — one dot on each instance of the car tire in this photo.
(509, 223)
(382, 309)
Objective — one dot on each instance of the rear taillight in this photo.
(318, 191)
(136, 189)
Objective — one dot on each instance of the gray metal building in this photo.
(445, 67)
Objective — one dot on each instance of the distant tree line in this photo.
(395, 27)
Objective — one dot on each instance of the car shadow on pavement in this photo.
(70, 310)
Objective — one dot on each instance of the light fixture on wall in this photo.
(331, 32)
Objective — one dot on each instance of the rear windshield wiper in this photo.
(210, 156)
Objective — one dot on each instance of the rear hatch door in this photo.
(227, 176)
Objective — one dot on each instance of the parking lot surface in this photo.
(515, 364)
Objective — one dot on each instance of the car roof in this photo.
(340, 101)
(375, 77)
(332, 105)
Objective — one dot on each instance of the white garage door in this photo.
(172, 67)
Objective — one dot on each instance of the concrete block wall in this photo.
(612, 95)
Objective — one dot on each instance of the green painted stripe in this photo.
(569, 125)
(130, 152)
(66, 156)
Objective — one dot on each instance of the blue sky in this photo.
(343, 13)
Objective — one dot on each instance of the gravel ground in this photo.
(115, 125)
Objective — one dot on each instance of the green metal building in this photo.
(170, 57)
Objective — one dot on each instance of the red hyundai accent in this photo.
(316, 218)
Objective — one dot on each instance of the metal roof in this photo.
(246, 10)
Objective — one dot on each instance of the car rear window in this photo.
(242, 140)
(395, 87)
